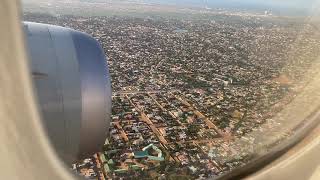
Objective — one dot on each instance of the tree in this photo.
(193, 129)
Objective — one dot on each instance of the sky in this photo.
(283, 3)
(287, 3)
(276, 6)
(295, 6)
(292, 3)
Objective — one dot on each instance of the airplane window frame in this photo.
(241, 172)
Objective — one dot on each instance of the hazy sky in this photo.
(295, 3)
(292, 3)
(288, 3)
(277, 6)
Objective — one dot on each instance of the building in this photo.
(145, 153)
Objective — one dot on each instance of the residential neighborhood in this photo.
(188, 92)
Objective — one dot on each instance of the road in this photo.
(199, 114)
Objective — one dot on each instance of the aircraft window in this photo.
(199, 88)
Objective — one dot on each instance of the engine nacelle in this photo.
(73, 88)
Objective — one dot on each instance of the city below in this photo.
(185, 90)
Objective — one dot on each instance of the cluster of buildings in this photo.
(184, 89)
(173, 130)
(90, 168)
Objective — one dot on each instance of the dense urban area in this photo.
(185, 89)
